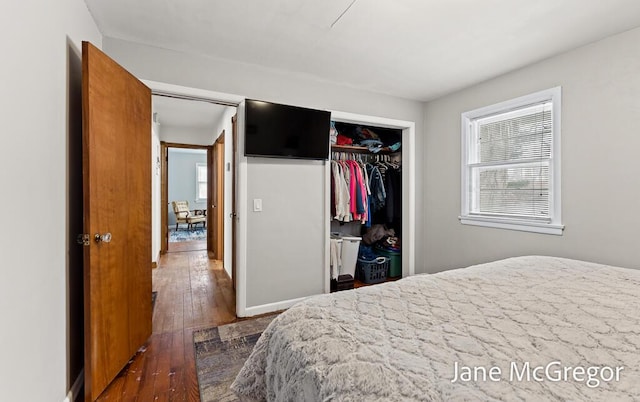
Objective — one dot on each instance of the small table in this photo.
(200, 212)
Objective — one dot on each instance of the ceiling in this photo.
(186, 151)
(416, 49)
(190, 114)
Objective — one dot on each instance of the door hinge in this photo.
(83, 239)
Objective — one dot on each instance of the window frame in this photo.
(198, 181)
(553, 225)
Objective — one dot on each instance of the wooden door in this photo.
(211, 195)
(164, 197)
(234, 213)
(218, 199)
(116, 110)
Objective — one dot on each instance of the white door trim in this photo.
(161, 88)
(408, 186)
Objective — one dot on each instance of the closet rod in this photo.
(193, 98)
(335, 155)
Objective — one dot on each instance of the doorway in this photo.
(185, 131)
(187, 190)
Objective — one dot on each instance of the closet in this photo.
(366, 205)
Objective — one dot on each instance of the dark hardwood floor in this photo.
(181, 246)
(193, 292)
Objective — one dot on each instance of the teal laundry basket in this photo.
(395, 261)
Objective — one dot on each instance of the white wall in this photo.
(286, 240)
(600, 142)
(156, 193)
(39, 40)
(187, 135)
(297, 89)
(181, 180)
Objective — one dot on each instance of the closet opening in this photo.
(366, 205)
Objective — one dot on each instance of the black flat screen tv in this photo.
(283, 131)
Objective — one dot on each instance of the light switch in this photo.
(257, 205)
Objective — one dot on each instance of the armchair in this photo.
(184, 215)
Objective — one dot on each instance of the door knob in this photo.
(105, 238)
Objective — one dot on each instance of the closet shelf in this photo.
(359, 149)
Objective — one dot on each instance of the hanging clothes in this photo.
(366, 191)
(394, 196)
(340, 193)
(377, 190)
(335, 257)
(358, 192)
(350, 191)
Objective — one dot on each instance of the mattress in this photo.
(525, 328)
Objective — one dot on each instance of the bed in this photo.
(524, 328)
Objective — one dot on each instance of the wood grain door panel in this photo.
(219, 196)
(164, 197)
(211, 196)
(234, 213)
(117, 200)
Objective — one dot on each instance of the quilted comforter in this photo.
(525, 328)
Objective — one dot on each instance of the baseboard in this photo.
(154, 264)
(227, 271)
(74, 392)
(269, 308)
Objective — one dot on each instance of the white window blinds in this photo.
(511, 164)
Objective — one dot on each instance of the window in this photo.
(201, 181)
(511, 164)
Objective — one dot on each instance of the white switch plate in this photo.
(257, 205)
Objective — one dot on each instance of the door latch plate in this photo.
(83, 239)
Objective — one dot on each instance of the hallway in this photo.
(193, 292)
(181, 246)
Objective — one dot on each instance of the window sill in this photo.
(513, 224)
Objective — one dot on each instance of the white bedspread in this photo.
(400, 341)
